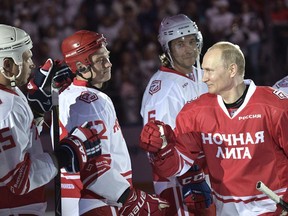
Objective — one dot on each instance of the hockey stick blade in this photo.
(260, 186)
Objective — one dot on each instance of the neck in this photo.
(234, 94)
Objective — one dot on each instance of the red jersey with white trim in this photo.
(78, 104)
(282, 84)
(165, 95)
(24, 168)
(241, 150)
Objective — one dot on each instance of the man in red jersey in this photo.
(240, 127)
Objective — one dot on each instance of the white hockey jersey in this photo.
(24, 168)
(282, 84)
(165, 95)
(79, 104)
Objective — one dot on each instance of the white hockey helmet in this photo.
(13, 43)
(175, 27)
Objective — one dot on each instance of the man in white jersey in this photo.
(240, 127)
(282, 84)
(176, 83)
(107, 184)
(25, 169)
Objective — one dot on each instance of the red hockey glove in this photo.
(39, 88)
(81, 144)
(195, 190)
(93, 169)
(155, 136)
(144, 204)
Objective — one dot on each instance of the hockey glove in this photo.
(155, 136)
(93, 169)
(195, 190)
(77, 148)
(280, 211)
(144, 204)
(39, 87)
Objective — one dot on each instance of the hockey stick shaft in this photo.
(264, 189)
(56, 139)
(57, 179)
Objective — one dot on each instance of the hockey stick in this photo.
(263, 188)
(56, 135)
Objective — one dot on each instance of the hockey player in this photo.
(282, 84)
(176, 83)
(240, 127)
(108, 181)
(25, 168)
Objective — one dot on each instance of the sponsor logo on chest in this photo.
(233, 146)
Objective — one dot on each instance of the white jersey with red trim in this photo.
(282, 84)
(241, 150)
(24, 168)
(79, 104)
(165, 95)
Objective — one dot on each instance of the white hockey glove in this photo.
(40, 86)
(144, 204)
(77, 148)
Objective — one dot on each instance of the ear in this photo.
(7, 64)
(233, 69)
(81, 67)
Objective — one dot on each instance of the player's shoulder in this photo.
(282, 84)
(271, 96)
(165, 82)
(205, 101)
(7, 102)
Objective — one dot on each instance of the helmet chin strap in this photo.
(170, 59)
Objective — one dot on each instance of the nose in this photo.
(108, 63)
(32, 66)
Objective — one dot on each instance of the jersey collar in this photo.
(169, 70)
(4, 88)
(80, 82)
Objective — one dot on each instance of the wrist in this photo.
(63, 156)
(123, 198)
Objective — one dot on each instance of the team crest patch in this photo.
(88, 97)
(283, 83)
(155, 87)
(280, 94)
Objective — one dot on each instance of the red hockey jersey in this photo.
(241, 150)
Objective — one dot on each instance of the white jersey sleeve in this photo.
(24, 166)
(282, 84)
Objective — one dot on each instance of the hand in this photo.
(81, 145)
(156, 136)
(195, 190)
(144, 204)
(93, 169)
(52, 73)
(280, 211)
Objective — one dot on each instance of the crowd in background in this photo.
(259, 27)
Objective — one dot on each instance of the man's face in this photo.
(184, 53)
(101, 66)
(216, 76)
(27, 66)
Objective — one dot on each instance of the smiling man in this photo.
(240, 127)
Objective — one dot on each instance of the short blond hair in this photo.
(231, 53)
